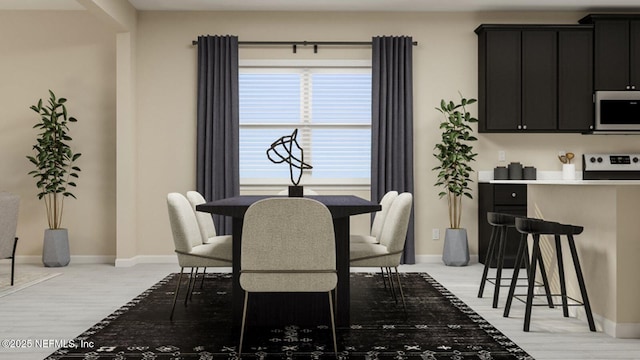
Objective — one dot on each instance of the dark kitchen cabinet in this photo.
(616, 51)
(503, 198)
(539, 80)
(500, 101)
(535, 78)
(575, 80)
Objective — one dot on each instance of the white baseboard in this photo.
(75, 259)
(616, 330)
(627, 331)
(437, 259)
(146, 259)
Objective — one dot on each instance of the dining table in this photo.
(277, 309)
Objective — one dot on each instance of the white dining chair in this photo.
(376, 228)
(388, 252)
(206, 225)
(378, 221)
(205, 221)
(288, 245)
(190, 250)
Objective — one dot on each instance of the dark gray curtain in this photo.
(392, 123)
(217, 168)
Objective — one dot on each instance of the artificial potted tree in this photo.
(455, 154)
(54, 174)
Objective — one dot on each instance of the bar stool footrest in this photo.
(576, 302)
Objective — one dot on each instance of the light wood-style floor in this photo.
(63, 307)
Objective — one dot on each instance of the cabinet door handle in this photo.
(633, 87)
(628, 87)
(519, 127)
(524, 127)
(513, 195)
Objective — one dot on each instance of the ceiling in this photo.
(386, 5)
(342, 5)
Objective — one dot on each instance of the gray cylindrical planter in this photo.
(55, 249)
(456, 248)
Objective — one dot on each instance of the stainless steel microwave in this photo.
(617, 111)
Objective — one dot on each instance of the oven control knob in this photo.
(599, 159)
(593, 159)
(635, 159)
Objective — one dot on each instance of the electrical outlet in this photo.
(502, 156)
(435, 234)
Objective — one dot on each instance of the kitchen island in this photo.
(609, 247)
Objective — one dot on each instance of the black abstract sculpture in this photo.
(283, 150)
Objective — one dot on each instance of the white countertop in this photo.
(552, 178)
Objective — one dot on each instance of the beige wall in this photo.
(445, 62)
(73, 55)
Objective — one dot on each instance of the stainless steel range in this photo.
(611, 166)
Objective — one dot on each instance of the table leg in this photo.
(237, 292)
(341, 229)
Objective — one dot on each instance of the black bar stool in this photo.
(537, 227)
(500, 223)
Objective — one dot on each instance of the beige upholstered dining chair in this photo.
(191, 252)
(207, 227)
(205, 222)
(376, 228)
(388, 252)
(378, 221)
(288, 245)
(9, 205)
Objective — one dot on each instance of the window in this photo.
(329, 105)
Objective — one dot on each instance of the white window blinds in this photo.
(330, 107)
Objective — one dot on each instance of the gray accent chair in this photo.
(388, 252)
(187, 238)
(288, 245)
(9, 206)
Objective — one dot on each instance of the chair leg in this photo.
(188, 287)
(13, 259)
(487, 261)
(333, 325)
(244, 319)
(175, 296)
(545, 279)
(532, 276)
(193, 286)
(501, 249)
(563, 287)
(335, 299)
(204, 273)
(404, 305)
(393, 289)
(520, 258)
(583, 288)
(384, 280)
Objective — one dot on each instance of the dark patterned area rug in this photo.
(438, 325)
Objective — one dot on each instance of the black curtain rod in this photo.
(304, 43)
(315, 44)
